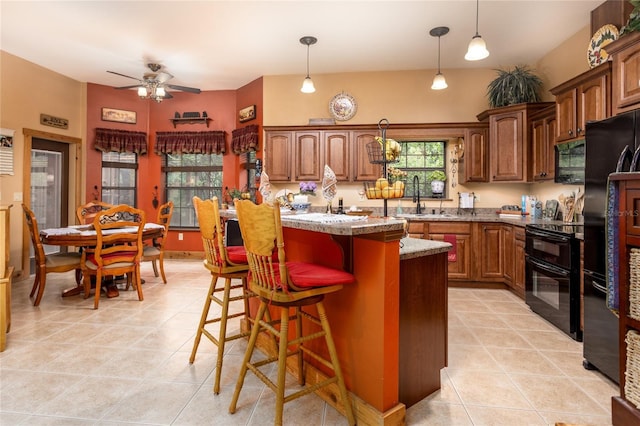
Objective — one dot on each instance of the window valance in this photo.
(244, 139)
(190, 142)
(115, 140)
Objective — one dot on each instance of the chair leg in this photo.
(247, 356)
(223, 333)
(203, 318)
(36, 283)
(42, 280)
(282, 363)
(78, 277)
(301, 378)
(322, 315)
(138, 282)
(161, 262)
(155, 267)
(96, 297)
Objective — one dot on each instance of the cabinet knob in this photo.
(570, 132)
(579, 130)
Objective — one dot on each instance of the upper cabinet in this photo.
(543, 135)
(584, 98)
(510, 141)
(278, 147)
(626, 72)
(363, 170)
(473, 162)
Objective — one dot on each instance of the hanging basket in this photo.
(376, 156)
(378, 190)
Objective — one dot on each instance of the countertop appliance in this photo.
(552, 277)
(604, 141)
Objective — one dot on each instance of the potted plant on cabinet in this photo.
(514, 87)
(437, 179)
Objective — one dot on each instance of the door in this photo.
(49, 198)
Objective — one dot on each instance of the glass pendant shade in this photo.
(142, 92)
(439, 82)
(307, 86)
(477, 49)
(160, 92)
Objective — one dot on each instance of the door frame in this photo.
(75, 169)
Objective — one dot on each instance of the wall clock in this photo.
(343, 106)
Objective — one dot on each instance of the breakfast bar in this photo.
(390, 327)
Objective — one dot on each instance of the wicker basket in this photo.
(377, 190)
(632, 373)
(376, 156)
(634, 283)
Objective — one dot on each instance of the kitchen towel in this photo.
(466, 200)
(452, 256)
(265, 186)
(611, 231)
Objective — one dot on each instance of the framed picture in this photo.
(247, 114)
(119, 115)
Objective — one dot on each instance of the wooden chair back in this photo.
(86, 213)
(212, 232)
(113, 244)
(32, 223)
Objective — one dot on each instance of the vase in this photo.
(437, 187)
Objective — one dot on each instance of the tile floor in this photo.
(127, 363)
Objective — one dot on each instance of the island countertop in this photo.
(411, 248)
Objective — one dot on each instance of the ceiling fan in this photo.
(153, 85)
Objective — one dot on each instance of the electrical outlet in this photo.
(180, 236)
(17, 196)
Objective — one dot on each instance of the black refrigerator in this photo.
(605, 140)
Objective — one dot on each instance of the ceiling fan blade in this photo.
(122, 75)
(167, 95)
(163, 77)
(184, 88)
(127, 87)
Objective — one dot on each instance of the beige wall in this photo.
(26, 91)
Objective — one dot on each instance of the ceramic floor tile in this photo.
(471, 357)
(528, 361)
(493, 416)
(432, 413)
(487, 388)
(501, 337)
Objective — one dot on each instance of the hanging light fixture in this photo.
(477, 47)
(307, 84)
(439, 82)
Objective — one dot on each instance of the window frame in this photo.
(425, 189)
(119, 165)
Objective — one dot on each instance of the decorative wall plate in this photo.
(343, 106)
(605, 35)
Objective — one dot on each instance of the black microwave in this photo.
(570, 161)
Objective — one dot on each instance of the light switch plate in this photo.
(17, 196)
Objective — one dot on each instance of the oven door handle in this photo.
(548, 237)
(595, 282)
(548, 267)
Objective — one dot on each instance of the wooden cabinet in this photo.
(337, 154)
(508, 254)
(543, 133)
(490, 252)
(278, 155)
(624, 408)
(473, 166)
(363, 169)
(5, 277)
(510, 141)
(417, 230)
(584, 98)
(460, 269)
(626, 72)
(517, 283)
(308, 156)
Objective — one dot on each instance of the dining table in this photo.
(85, 236)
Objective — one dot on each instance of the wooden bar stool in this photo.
(286, 285)
(223, 262)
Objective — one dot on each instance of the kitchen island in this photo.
(390, 326)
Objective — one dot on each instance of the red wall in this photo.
(221, 106)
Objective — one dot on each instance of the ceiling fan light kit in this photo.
(307, 84)
(154, 85)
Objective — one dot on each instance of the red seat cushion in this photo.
(237, 254)
(305, 274)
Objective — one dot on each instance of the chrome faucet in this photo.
(416, 193)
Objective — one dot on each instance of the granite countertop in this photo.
(415, 247)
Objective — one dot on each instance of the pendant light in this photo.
(307, 84)
(477, 47)
(439, 82)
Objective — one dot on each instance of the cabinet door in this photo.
(277, 150)
(542, 135)
(308, 156)
(592, 102)
(508, 245)
(473, 166)
(626, 79)
(363, 169)
(566, 112)
(336, 152)
(519, 268)
(460, 269)
(507, 153)
(490, 253)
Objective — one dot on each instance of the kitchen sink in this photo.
(424, 215)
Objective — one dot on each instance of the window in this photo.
(189, 175)
(418, 158)
(119, 177)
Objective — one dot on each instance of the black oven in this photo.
(552, 280)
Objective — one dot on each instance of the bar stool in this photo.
(223, 262)
(286, 285)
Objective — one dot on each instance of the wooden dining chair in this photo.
(88, 212)
(57, 262)
(288, 287)
(118, 249)
(155, 252)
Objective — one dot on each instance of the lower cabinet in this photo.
(508, 243)
(490, 252)
(460, 268)
(518, 261)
